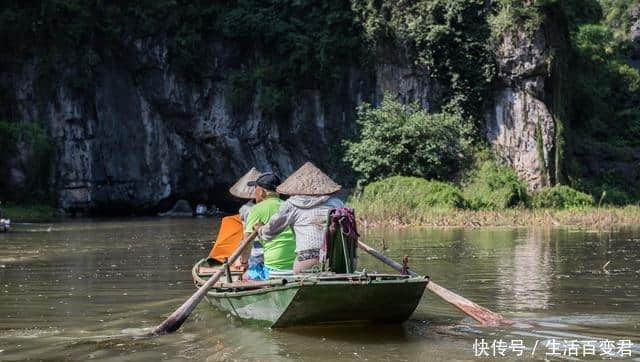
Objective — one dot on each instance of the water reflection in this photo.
(524, 276)
(89, 290)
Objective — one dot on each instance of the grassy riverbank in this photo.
(27, 212)
(492, 199)
(379, 215)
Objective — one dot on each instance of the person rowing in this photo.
(279, 252)
(306, 212)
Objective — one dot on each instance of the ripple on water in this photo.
(96, 289)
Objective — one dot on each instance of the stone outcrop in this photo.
(181, 208)
(141, 136)
(521, 126)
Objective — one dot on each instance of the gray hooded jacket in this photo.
(307, 216)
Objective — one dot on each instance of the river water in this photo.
(82, 290)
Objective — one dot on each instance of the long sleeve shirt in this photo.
(307, 216)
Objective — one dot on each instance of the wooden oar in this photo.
(178, 317)
(475, 311)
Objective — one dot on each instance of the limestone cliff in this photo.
(141, 136)
(523, 124)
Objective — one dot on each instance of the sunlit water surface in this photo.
(85, 290)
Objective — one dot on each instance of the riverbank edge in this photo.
(598, 218)
(28, 212)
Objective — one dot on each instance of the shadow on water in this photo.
(93, 290)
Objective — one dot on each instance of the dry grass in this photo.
(393, 215)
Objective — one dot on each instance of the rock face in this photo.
(521, 125)
(181, 208)
(142, 136)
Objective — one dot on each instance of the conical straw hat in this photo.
(240, 188)
(308, 180)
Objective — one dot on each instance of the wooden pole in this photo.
(178, 317)
(481, 314)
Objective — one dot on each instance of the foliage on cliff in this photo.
(402, 139)
(606, 88)
(447, 37)
(604, 100)
(282, 48)
(291, 46)
(29, 144)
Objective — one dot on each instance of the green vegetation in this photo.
(280, 49)
(448, 37)
(402, 139)
(414, 192)
(561, 197)
(596, 93)
(604, 88)
(604, 110)
(617, 16)
(27, 212)
(601, 218)
(495, 187)
(291, 46)
(29, 148)
(617, 197)
(510, 15)
(411, 201)
(406, 198)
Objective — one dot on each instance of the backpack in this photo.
(338, 252)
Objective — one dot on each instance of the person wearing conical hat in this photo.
(231, 228)
(279, 252)
(306, 212)
(242, 190)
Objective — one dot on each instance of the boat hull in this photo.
(325, 300)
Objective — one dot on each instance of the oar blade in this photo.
(481, 314)
(177, 318)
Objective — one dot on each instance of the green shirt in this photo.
(280, 252)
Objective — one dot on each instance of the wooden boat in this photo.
(315, 298)
(5, 225)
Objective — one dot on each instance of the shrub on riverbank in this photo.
(404, 199)
(596, 218)
(27, 212)
(495, 187)
(415, 193)
(616, 197)
(561, 197)
(491, 195)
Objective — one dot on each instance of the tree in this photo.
(403, 140)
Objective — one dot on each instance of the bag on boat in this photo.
(228, 239)
(257, 270)
(338, 252)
